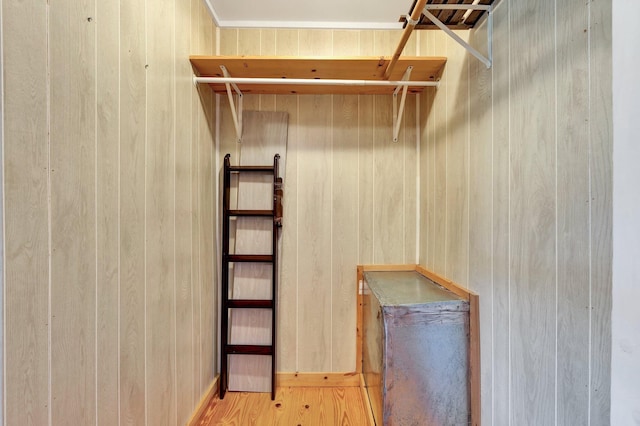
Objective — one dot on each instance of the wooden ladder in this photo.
(228, 258)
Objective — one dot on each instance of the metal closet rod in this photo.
(314, 82)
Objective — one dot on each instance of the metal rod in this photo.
(490, 36)
(468, 12)
(234, 113)
(396, 129)
(226, 74)
(236, 110)
(313, 82)
(457, 38)
(458, 7)
(411, 23)
(397, 115)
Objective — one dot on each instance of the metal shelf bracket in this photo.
(398, 114)
(236, 109)
(488, 8)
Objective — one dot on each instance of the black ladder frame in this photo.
(276, 213)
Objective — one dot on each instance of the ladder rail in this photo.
(274, 270)
(224, 316)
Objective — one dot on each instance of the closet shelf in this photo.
(356, 68)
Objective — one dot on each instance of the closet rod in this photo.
(314, 82)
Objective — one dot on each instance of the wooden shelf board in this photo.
(340, 68)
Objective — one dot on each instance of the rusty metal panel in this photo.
(415, 351)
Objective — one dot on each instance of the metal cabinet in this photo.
(415, 350)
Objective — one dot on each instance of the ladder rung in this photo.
(250, 212)
(249, 350)
(254, 169)
(258, 258)
(250, 304)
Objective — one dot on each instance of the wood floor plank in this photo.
(293, 406)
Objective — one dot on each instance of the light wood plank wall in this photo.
(350, 192)
(109, 286)
(515, 194)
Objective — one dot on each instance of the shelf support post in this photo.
(398, 114)
(236, 110)
(456, 37)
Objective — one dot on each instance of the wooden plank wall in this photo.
(515, 183)
(350, 193)
(109, 291)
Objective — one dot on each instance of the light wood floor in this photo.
(294, 406)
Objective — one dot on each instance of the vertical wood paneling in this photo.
(26, 236)
(601, 182)
(314, 248)
(388, 186)
(268, 48)
(107, 203)
(207, 298)
(344, 211)
(73, 211)
(249, 44)
(228, 138)
(286, 42)
(187, 397)
(160, 216)
(365, 162)
(197, 105)
(533, 230)
(427, 160)
(410, 174)
(440, 217)
(314, 208)
(344, 244)
(365, 179)
(457, 163)
(573, 213)
(501, 326)
(480, 207)
(539, 188)
(132, 212)
(286, 334)
(117, 190)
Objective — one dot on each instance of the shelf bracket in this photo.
(236, 109)
(488, 8)
(399, 112)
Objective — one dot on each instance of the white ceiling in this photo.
(356, 14)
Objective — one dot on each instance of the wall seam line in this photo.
(146, 138)
(95, 213)
(509, 217)
(49, 220)
(118, 380)
(590, 204)
(175, 299)
(555, 73)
